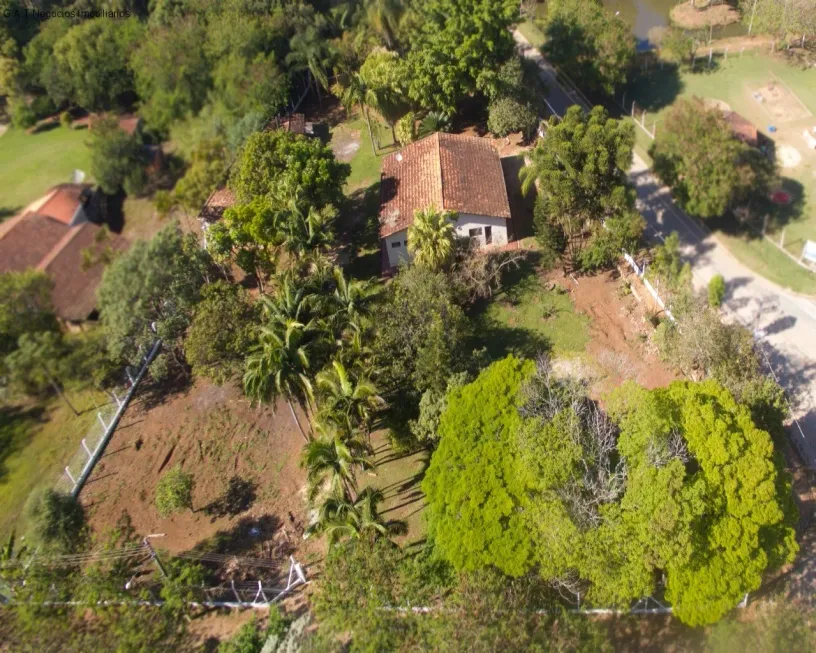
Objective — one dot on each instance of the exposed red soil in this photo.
(619, 345)
(213, 433)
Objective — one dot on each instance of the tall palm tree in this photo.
(351, 89)
(338, 518)
(278, 366)
(383, 16)
(432, 238)
(290, 303)
(310, 51)
(346, 396)
(333, 460)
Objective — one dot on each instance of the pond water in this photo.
(643, 15)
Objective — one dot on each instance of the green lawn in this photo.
(31, 163)
(365, 163)
(530, 32)
(526, 319)
(733, 81)
(36, 442)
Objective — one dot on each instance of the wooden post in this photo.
(710, 56)
(782, 239)
(643, 119)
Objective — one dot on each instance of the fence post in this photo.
(654, 129)
(102, 421)
(643, 118)
(710, 56)
(73, 480)
(85, 446)
(633, 108)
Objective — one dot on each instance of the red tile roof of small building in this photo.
(447, 171)
(742, 128)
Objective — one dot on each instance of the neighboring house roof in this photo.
(219, 201)
(128, 122)
(742, 128)
(41, 238)
(62, 202)
(448, 171)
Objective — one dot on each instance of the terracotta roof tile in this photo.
(742, 128)
(63, 201)
(217, 203)
(447, 171)
(27, 239)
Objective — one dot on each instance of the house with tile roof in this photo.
(51, 235)
(450, 172)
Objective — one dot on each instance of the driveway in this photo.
(783, 323)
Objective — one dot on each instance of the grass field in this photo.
(526, 319)
(31, 163)
(733, 81)
(351, 143)
(36, 442)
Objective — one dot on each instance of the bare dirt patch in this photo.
(345, 143)
(213, 433)
(619, 349)
(688, 16)
(787, 156)
(780, 102)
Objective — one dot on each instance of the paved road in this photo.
(784, 323)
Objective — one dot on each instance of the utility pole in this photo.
(153, 554)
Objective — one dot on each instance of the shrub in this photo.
(406, 129)
(174, 492)
(22, 115)
(716, 291)
(58, 521)
(65, 119)
(507, 115)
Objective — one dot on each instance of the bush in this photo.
(716, 291)
(58, 521)
(406, 129)
(65, 119)
(174, 492)
(507, 115)
(22, 115)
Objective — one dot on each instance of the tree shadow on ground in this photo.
(153, 393)
(521, 206)
(238, 496)
(501, 339)
(16, 430)
(359, 229)
(248, 537)
(655, 88)
(8, 212)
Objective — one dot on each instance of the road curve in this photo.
(783, 323)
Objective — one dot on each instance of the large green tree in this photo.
(94, 55)
(476, 488)
(739, 511)
(580, 169)
(118, 159)
(589, 43)
(25, 306)
(151, 290)
(457, 42)
(279, 158)
(708, 169)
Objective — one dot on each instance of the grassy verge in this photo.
(365, 163)
(527, 319)
(31, 163)
(530, 32)
(36, 442)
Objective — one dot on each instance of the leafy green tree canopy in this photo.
(174, 492)
(476, 489)
(117, 159)
(25, 306)
(279, 158)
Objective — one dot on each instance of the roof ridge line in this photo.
(441, 178)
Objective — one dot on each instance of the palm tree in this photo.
(290, 303)
(351, 298)
(278, 365)
(339, 518)
(345, 398)
(333, 460)
(431, 238)
(383, 16)
(352, 90)
(310, 51)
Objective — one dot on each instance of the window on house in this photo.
(475, 233)
(488, 235)
(396, 244)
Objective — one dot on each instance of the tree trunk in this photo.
(59, 390)
(297, 421)
(393, 133)
(364, 109)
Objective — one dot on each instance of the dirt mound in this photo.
(688, 16)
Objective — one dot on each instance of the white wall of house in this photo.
(481, 227)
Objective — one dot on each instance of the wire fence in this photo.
(81, 464)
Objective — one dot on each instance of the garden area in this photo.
(769, 92)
